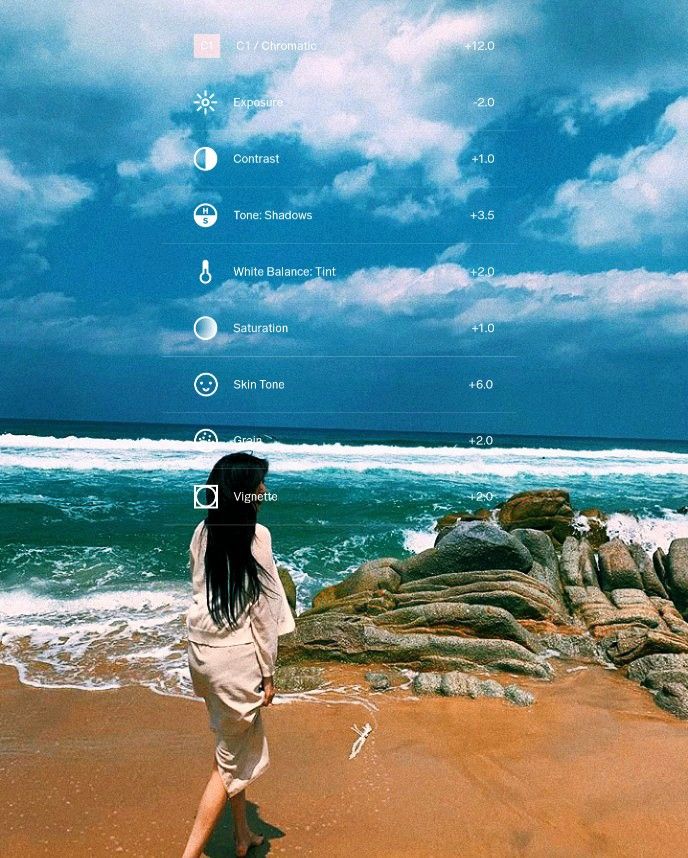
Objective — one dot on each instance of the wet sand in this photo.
(592, 769)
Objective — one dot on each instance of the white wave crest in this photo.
(650, 532)
(22, 603)
(143, 454)
(416, 541)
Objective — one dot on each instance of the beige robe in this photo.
(227, 666)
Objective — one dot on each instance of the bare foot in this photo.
(242, 846)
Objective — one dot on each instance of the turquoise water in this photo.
(96, 521)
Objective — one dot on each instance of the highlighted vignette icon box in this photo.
(206, 496)
(206, 46)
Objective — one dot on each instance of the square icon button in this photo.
(206, 496)
(206, 46)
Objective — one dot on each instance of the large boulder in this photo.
(617, 567)
(458, 684)
(545, 563)
(570, 565)
(289, 586)
(368, 602)
(659, 562)
(427, 683)
(658, 678)
(470, 546)
(521, 595)
(633, 642)
(518, 696)
(677, 573)
(451, 519)
(577, 564)
(544, 509)
(378, 680)
(588, 564)
(482, 621)
(670, 616)
(674, 698)
(573, 647)
(455, 683)
(331, 636)
(579, 597)
(653, 586)
(291, 678)
(608, 614)
(641, 668)
(371, 576)
(629, 597)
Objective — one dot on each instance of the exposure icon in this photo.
(205, 103)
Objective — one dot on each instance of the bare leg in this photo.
(212, 804)
(244, 838)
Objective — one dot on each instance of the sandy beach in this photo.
(593, 768)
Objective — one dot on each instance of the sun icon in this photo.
(205, 102)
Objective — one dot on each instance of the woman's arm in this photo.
(264, 630)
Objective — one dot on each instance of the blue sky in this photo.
(100, 255)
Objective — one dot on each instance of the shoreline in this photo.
(594, 767)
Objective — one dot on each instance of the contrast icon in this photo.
(206, 496)
(205, 276)
(207, 436)
(206, 384)
(206, 46)
(205, 103)
(205, 215)
(205, 158)
(205, 327)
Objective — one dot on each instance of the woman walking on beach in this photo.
(239, 608)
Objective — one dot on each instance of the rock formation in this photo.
(501, 592)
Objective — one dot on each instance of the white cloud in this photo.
(169, 196)
(610, 102)
(37, 200)
(390, 83)
(350, 186)
(388, 291)
(163, 180)
(418, 43)
(168, 153)
(454, 253)
(642, 194)
(581, 313)
(353, 183)
(409, 210)
(602, 104)
(447, 296)
(359, 186)
(372, 90)
(615, 297)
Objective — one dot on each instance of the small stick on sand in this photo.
(362, 734)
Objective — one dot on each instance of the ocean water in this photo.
(96, 519)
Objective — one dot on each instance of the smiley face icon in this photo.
(205, 384)
(207, 436)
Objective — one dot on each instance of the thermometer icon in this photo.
(205, 276)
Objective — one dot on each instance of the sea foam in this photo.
(143, 454)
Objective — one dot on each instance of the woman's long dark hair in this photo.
(231, 572)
